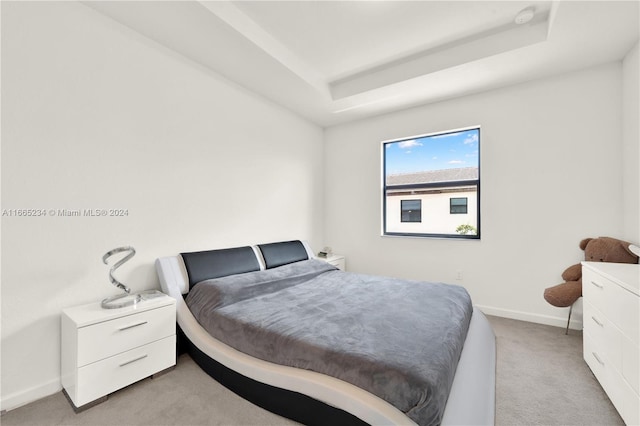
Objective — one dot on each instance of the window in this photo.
(458, 205)
(431, 185)
(411, 210)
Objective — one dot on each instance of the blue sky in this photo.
(437, 152)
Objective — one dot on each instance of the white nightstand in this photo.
(336, 260)
(104, 350)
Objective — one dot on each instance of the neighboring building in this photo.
(432, 202)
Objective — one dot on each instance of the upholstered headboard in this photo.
(178, 274)
(278, 254)
(205, 265)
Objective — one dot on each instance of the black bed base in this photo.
(286, 403)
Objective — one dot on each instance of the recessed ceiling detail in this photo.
(498, 40)
(336, 61)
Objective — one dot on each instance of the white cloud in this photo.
(409, 144)
(456, 162)
(471, 138)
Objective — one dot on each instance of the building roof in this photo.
(433, 176)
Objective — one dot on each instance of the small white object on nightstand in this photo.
(336, 260)
(104, 350)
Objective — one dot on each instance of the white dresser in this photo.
(611, 336)
(104, 350)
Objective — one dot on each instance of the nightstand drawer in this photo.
(110, 374)
(112, 337)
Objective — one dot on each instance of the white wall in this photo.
(95, 116)
(551, 155)
(631, 149)
(435, 213)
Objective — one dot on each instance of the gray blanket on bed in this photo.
(400, 340)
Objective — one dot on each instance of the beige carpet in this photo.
(541, 380)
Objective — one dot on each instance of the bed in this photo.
(237, 311)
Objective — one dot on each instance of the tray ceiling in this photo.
(337, 61)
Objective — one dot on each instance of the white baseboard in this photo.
(556, 321)
(18, 399)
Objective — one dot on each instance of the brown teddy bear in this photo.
(603, 249)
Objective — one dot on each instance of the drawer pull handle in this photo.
(597, 285)
(133, 360)
(597, 322)
(132, 326)
(595, 355)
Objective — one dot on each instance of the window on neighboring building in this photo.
(411, 210)
(458, 205)
(424, 176)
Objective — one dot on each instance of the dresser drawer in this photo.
(112, 337)
(611, 317)
(605, 337)
(594, 358)
(624, 398)
(110, 374)
(630, 407)
(631, 364)
(629, 307)
(616, 303)
(599, 291)
(603, 370)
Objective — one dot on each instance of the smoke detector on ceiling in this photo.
(525, 15)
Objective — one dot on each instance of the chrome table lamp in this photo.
(125, 299)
